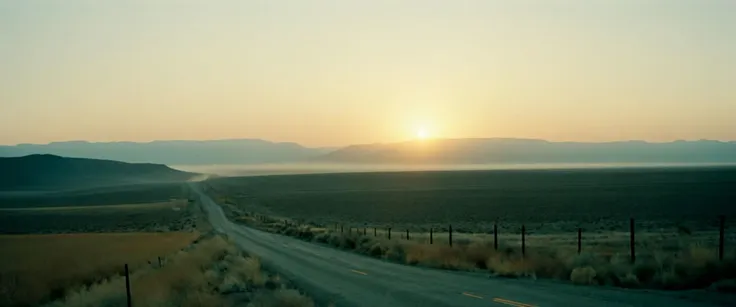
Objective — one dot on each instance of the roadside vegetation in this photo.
(39, 268)
(211, 272)
(659, 265)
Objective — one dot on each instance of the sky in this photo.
(332, 73)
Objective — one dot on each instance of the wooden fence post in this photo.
(632, 240)
(580, 238)
(721, 236)
(450, 235)
(495, 236)
(159, 262)
(364, 230)
(127, 286)
(431, 239)
(375, 232)
(389, 233)
(407, 234)
(523, 240)
(342, 229)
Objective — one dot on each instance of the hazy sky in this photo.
(341, 72)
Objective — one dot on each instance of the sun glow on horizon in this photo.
(422, 133)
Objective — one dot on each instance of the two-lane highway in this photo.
(349, 279)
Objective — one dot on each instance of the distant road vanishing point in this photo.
(348, 279)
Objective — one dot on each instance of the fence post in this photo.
(495, 236)
(375, 232)
(523, 240)
(633, 240)
(127, 286)
(159, 262)
(364, 230)
(407, 234)
(342, 229)
(450, 235)
(431, 239)
(389, 233)
(721, 236)
(580, 238)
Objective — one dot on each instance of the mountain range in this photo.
(501, 150)
(430, 151)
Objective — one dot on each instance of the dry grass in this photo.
(36, 268)
(210, 273)
(664, 261)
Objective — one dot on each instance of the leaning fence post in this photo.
(159, 261)
(450, 235)
(632, 240)
(523, 240)
(580, 238)
(127, 286)
(431, 240)
(495, 236)
(721, 236)
(389, 233)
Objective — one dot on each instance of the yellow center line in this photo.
(359, 272)
(512, 303)
(472, 295)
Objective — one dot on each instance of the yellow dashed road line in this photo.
(512, 303)
(359, 272)
(472, 295)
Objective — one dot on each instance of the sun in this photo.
(422, 133)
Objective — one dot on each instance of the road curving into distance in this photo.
(347, 279)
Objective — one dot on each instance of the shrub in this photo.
(583, 276)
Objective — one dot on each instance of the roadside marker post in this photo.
(127, 286)
(523, 240)
(632, 240)
(450, 235)
(721, 237)
(580, 238)
(495, 236)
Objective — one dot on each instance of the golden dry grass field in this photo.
(37, 268)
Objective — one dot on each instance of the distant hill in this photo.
(236, 151)
(499, 150)
(49, 172)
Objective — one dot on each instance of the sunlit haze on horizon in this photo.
(333, 73)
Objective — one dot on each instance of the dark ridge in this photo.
(51, 172)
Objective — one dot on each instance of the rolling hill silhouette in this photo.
(50, 172)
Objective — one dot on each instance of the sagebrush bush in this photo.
(583, 276)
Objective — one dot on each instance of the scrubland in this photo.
(172, 215)
(39, 268)
(86, 270)
(669, 262)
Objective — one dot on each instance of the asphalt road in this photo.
(348, 279)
